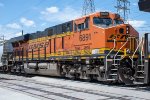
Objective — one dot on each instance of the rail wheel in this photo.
(5, 69)
(126, 72)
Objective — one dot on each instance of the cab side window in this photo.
(80, 26)
(87, 20)
(84, 25)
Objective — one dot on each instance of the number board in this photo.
(85, 37)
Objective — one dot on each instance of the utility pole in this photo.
(22, 32)
(88, 7)
(123, 8)
(2, 40)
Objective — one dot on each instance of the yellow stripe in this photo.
(75, 53)
(50, 37)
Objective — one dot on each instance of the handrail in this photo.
(136, 51)
(142, 51)
(121, 48)
(110, 53)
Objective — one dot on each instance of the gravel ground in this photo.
(47, 88)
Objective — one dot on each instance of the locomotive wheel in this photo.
(126, 73)
(89, 78)
(5, 69)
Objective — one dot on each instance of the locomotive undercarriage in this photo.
(89, 70)
(84, 71)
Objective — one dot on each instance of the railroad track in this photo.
(46, 91)
(39, 90)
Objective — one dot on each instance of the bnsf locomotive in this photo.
(98, 46)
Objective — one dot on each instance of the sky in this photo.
(36, 15)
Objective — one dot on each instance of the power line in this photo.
(123, 8)
(88, 7)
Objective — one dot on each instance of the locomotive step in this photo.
(114, 69)
(141, 71)
(111, 79)
(115, 64)
(113, 74)
(140, 65)
(140, 77)
(138, 83)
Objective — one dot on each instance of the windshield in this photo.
(102, 22)
(118, 21)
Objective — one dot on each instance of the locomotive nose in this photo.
(127, 29)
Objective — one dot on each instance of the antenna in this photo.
(123, 8)
(22, 32)
(88, 7)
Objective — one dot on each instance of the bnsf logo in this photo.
(85, 37)
(39, 45)
(118, 36)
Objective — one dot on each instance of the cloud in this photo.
(13, 26)
(137, 23)
(53, 14)
(27, 22)
(50, 10)
(1, 4)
